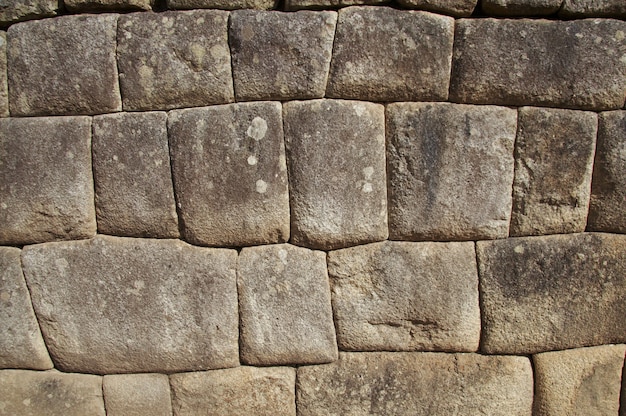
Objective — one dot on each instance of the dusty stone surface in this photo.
(568, 64)
(585, 8)
(121, 305)
(12, 11)
(337, 179)
(456, 8)
(284, 303)
(428, 384)
(324, 4)
(222, 4)
(552, 293)
(281, 56)
(450, 171)
(554, 152)
(399, 296)
(520, 7)
(78, 78)
(235, 391)
(132, 174)
(382, 54)
(174, 59)
(4, 88)
(137, 395)
(230, 174)
(46, 185)
(81, 6)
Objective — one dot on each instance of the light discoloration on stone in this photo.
(456, 8)
(12, 11)
(593, 8)
(520, 7)
(4, 88)
(222, 4)
(82, 6)
(137, 395)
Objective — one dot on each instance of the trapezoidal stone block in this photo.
(551, 293)
(520, 7)
(230, 174)
(4, 87)
(137, 395)
(46, 183)
(122, 305)
(82, 6)
(18, 10)
(337, 180)
(570, 64)
(593, 8)
(450, 170)
(63, 66)
(383, 54)
(456, 8)
(222, 4)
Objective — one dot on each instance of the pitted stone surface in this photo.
(230, 174)
(132, 174)
(450, 171)
(337, 180)
(120, 305)
(456, 8)
(46, 185)
(382, 54)
(428, 384)
(324, 4)
(552, 293)
(222, 4)
(137, 395)
(4, 88)
(553, 164)
(63, 66)
(174, 59)
(81, 6)
(281, 56)
(399, 296)
(520, 7)
(12, 11)
(571, 64)
(584, 8)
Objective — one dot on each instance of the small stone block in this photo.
(222, 4)
(593, 8)
(12, 11)
(456, 8)
(291, 5)
(520, 7)
(82, 6)
(4, 88)
(137, 395)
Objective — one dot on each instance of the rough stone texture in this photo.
(396, 296)
(601, 8)
(63, 66)
(553, 164)
(382, 54)
(520, 7)
(284, 302)
(337, 180)
(230, 174)
(450, 171)
(132, 174)
(552, 293)
(457, 8)
(80, 6)
(324, 4)
(174, 59)
(137, 395)
(428, 384)
(4, 88)
(573, 64)
(222, 4)
(46, 185)
(12, 11)
(120, 305)
(235, 391)
(281, 56)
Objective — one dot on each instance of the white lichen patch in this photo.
(252, 160)
(257, 129)
(261, 186)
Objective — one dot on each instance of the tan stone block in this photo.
(82, 6)
(18, 10)
(326, 4)
(593, 8)
(137, 395)
(456, 8)
(222, 4)
(520, 7)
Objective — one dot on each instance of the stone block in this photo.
(82, 6)
(337, 179)
(137, 395)
(569, 64)
(63, 66)
(123, 305)
(450, 171)
(222, 4)
(281, 56)
(551, 293)
(325, 4)
(132, 174)
(400, 296)
(174, 59)
(456, 8)
(554, 152)
(46, 184)
(383, 54)
(230, 174)
(18, 10)
(588, 8)
(235, 391)
(520, 7)
(4, 88)
(420, 384)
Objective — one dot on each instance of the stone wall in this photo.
(245, 208)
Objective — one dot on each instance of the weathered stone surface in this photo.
(281, 56)
(46, 185)
(230, 174)
(120, 305)
(382, 54)
(552, 293)
(222, 4)
(608, 189)
(324, 4)
(63, 66)
(81, 6)
(284, 302)
(520, 7)
(457, 8)
(571, 64)
(174, 59)
(450, 171)
(584, 381)
(12, 11)
(337, 180)
(133, 178)
(137, 395)
(235, 391)
(553, 164)
(398, 296)
(4, 88)
(429, 384)
(602, 8)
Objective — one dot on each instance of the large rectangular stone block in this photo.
(82, 6)
(222, 4)
(520, 7)
(13, 11)
(137, 395)
(456, 8)
(4, 87)
(585, 8)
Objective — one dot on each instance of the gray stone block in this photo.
(122, 305)
(222, 4)
(325, 4)
(12, 11)
(456, 8)
(137, 395)
(46, 184)
(450, 171)
(588, 8)
(230, 174)
(337, 180)
(82, 6)
(382, 54)
(520, 7)
(4, 88)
